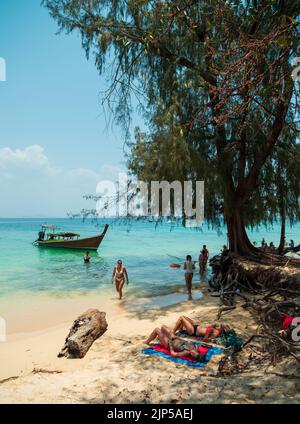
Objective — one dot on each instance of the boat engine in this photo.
(41, 235)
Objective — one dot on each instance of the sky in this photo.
(56, 141)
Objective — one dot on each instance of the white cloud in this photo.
(111, 172)
(83, 173)
(32, 155)
(31, 186)
(31, 159)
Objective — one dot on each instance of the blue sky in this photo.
(55, 140)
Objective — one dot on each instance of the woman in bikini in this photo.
(195, 329)
(119, 273)
(189, 268)
(177, 346)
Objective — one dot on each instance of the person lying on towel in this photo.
(195, 329)
(178, 347)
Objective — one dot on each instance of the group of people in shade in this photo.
(264, 245)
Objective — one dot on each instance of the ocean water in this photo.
(146, 249)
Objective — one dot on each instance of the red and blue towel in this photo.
(160, 350)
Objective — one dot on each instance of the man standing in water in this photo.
(87, 258)
(119, 273)
(203, 258)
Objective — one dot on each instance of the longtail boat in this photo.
(47, 237)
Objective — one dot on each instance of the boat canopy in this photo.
(66, 235)
(49, 227)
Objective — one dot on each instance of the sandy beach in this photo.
(115, 370)
(151, 147)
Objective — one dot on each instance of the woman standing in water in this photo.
(119, 273)
(203, 258)
(189, 268)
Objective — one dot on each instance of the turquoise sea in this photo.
(146, 249)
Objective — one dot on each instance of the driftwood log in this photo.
(85, 330)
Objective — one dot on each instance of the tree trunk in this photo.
(282, 235)
(239, 242)
(85, 330)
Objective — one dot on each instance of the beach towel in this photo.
(159, 350)
(228, 339)
(287, 321)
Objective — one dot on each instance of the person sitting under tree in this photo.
(272, 246)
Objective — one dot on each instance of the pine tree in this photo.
(218, 73)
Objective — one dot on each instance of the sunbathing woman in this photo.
(176, 345)
(195, 329)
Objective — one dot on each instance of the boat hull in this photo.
(88, 243)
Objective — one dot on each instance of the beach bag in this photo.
(231, 339)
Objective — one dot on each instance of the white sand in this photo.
(115, 370)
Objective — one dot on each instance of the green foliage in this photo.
(214, 79)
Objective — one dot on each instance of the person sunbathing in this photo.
(195, 329)
(177, 346)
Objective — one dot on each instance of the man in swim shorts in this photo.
(87, 258)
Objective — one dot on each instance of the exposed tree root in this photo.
(289, 376)
(270, 292)
(292, 249)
